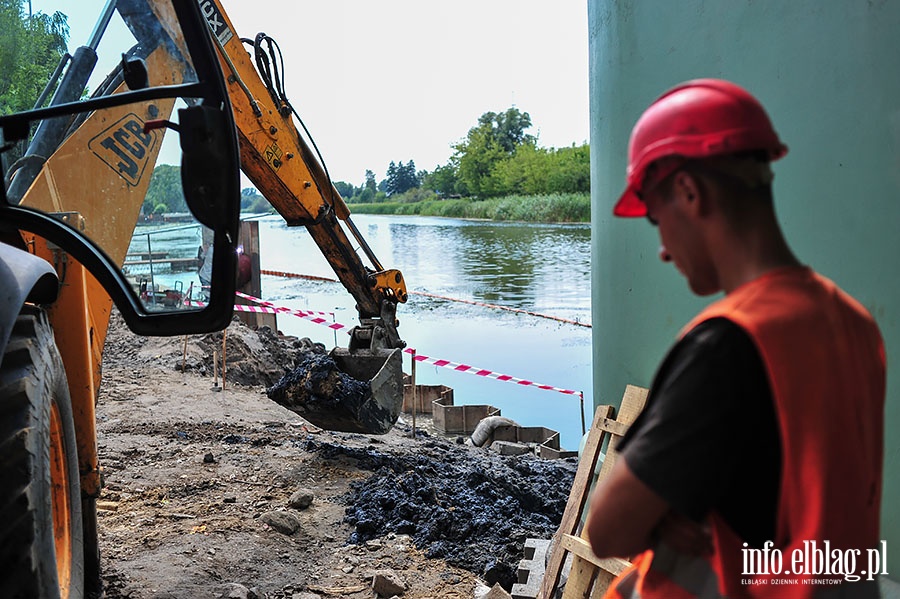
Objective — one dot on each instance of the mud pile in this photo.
(468, 506)
(254, 356)
(321, 393)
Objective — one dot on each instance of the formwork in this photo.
(424, 396)
(437, 400)
(546, 439)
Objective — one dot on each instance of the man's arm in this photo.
(624, 514)
(630, 517)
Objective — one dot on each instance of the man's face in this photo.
(673, 207)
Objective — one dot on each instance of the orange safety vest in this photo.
(826, 365)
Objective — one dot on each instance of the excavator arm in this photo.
(282, 166)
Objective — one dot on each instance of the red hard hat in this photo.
(696, 119)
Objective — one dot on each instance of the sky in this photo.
(394, 80)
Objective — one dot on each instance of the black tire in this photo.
(38, 514)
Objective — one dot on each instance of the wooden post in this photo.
(415, 396)
(184, 356)
(581, 396)
(215, 370)
(224, 336)
(248, 239)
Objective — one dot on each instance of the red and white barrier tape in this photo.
(486, 373)
(256, 300)
(417, 356)
(315, 317)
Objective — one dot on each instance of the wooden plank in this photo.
(581, 579)
(590, 575)
(633, 402)
(249, 240)
(580, 547)
(577, 497)
(601, 584)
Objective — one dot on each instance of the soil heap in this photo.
(468, 506)
(191, 476)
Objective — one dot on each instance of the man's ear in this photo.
(691, 193)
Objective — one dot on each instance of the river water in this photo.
(543, 269)
(539, 268)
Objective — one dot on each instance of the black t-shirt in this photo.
(708, 436)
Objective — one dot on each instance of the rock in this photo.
(510, 448)
(480, 590)
(281, 521)
(497, 592)
(386, 583)
(301, 499)
(305, 596)
(209, 459)
(499, 572)
(234, 590)
(229, 499)
(107, 506)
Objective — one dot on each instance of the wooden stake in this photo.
(224, 334)
(581, 395)
(183, 356)
(215, 370)
(415, 397)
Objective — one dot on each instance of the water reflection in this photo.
(542, 268)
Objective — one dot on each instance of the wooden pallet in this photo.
(590, 576)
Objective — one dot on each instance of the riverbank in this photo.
(551, 208)
(212, 489)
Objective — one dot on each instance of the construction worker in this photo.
(755, 467)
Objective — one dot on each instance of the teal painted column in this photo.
(829, 74)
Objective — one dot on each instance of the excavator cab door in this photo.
(127, 161)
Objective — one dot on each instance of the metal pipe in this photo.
(52, 82)
(150, 260)
(362, 243)
(101, 25)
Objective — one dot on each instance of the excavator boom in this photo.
(282, 166)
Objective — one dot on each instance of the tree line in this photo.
(497, 158)
(32, 45)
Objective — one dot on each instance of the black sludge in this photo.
(320, 392)
(470, 507)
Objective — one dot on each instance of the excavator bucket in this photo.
(382, 371)
(354, 391)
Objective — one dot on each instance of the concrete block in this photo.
(531, 569)
(510, 448)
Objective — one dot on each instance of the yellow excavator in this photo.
(158, 80)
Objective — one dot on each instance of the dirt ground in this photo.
(206, 489)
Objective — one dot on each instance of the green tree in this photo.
(495, 138)
(442, 180)
(509, 128)
(401, 177)
(347, 190)
(165, 189)
(533, 170)
(476, 157)
(387, 185)
(253, 201)
(30, 49)
(570, 170)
